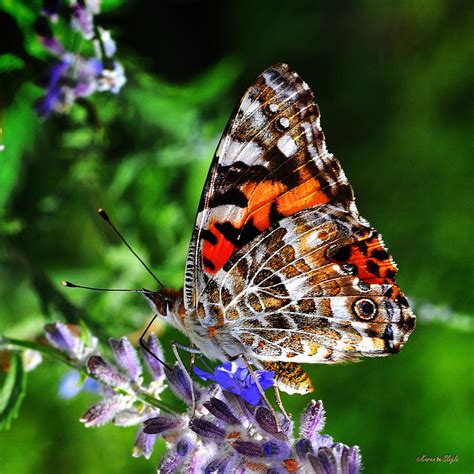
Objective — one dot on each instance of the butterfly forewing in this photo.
(271, 162)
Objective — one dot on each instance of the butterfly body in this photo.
(281, 267)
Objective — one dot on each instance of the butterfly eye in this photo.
(365, 309)
(162, 305)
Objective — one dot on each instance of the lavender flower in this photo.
(227, 427)
(75, 76)
(67, 338)
(226, 436)
(125, 376)
(82, 19)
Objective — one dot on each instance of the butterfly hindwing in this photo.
(286, 296)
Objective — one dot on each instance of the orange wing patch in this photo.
(264, 198)
(307, 194)
(372, 262)
(216, 250)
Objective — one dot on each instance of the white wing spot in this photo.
(233, 152)
(248, 105)
(287, 145)
(305, 86)
(273, 107)
(284, 122)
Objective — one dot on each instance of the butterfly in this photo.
(281, 267)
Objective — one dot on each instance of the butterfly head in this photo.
(167, 303)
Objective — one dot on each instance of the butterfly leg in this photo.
(191, 350)
(175, 346)
(280, 403)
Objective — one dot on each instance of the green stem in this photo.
(15, 344)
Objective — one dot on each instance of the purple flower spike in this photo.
(169, 463)
(179, 382)
(184, 446)
(52, 45)
(248, 448)
(350, 460)
(226, 434)
(327, 460)
(162, 425)
(230, 464)
(104, 411)
(312, 420)
(56, 97)
(277, 449)
(220, 410)
(126, 357)
(82, 20)
(144, 444)
(154, 366)
(303, 448)
(79, 72)
(207, 429)
(105, 372)
(61, 337)
(266, 420)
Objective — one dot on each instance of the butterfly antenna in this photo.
(106, 218)
(68, 284)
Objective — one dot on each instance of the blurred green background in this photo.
(394, 84)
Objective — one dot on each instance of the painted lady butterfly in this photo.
(281, 267)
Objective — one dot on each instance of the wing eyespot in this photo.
(365, 309)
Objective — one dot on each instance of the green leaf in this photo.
(10, 62)
(86, 336)
(12, 391)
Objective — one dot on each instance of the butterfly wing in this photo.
(318, 286)
(281, 265)
(271, 162)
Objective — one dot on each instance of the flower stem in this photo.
(53, 353)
